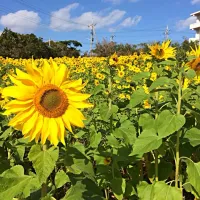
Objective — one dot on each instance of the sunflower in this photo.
(163, 51)
(195, 51)
(195, 65)
(45, 102)
(113, 59)
(121, 74)
(3, 100)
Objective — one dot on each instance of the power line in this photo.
(21, 16)
(45, 13)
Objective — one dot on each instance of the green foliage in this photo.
(171, 123)
(17, 45)
(141, 139)
(158, 191)
(13, 182)
(43, 161)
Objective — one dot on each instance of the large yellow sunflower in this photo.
(195, 65)
(163, 51)
(45, 102)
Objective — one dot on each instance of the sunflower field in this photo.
(92, 128)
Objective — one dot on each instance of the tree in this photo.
(17, 45)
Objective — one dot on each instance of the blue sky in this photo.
(131, 21)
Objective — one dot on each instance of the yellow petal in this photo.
(61, 133)
(25, 78)
(81, 104)
(72, 84)
(30, 123)
(32, 69)
(17, 103)
(15, 81)
(61, 74)
(47, 72)
(66, 122)
(74, 116)
(22, 116)
(19, 92)
(53, 131)
(45, 130)
(77, 96)
(38, 128)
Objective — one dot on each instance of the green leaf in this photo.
(95, 138)
(99, 88)
(6, 133)
(147, 141)
(193, 171)
(162, 191)
(43, 161)
(159, 82)
(193, 135)
(13, 182)
(77, 163)
(190, 74)
(144, 191)
(126, 131)
(158, 191)
(61, 178)
(85, 189)
(112, 141)
(140, 76)
(167, 62)
(105, 113)
(20, 151)
(137, 97)
(167, 123)
(146, 121)
(118, 186)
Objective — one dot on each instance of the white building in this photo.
(196, 26)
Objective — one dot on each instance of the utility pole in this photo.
(112, 38)
(93, 34)
(166, 33)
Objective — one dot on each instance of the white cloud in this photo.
(131, 21)
(184, 24)
(115, 2)
(22, 21)
(1, 32)
(195, 2)
(61, 20)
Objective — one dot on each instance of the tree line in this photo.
(17, 45)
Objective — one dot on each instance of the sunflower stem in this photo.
(155, 151)
(178, 132)
(44, 185)
(110, 100)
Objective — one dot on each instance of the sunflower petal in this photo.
(61, 133)
(45, 130)
(19, 92)
(53, 131)
(80, 104)
(74, 116)
(61, 74)
(30, 123)
(38, 129)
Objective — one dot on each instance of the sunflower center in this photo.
(198, 67)
(51, 101)
(160, 52)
